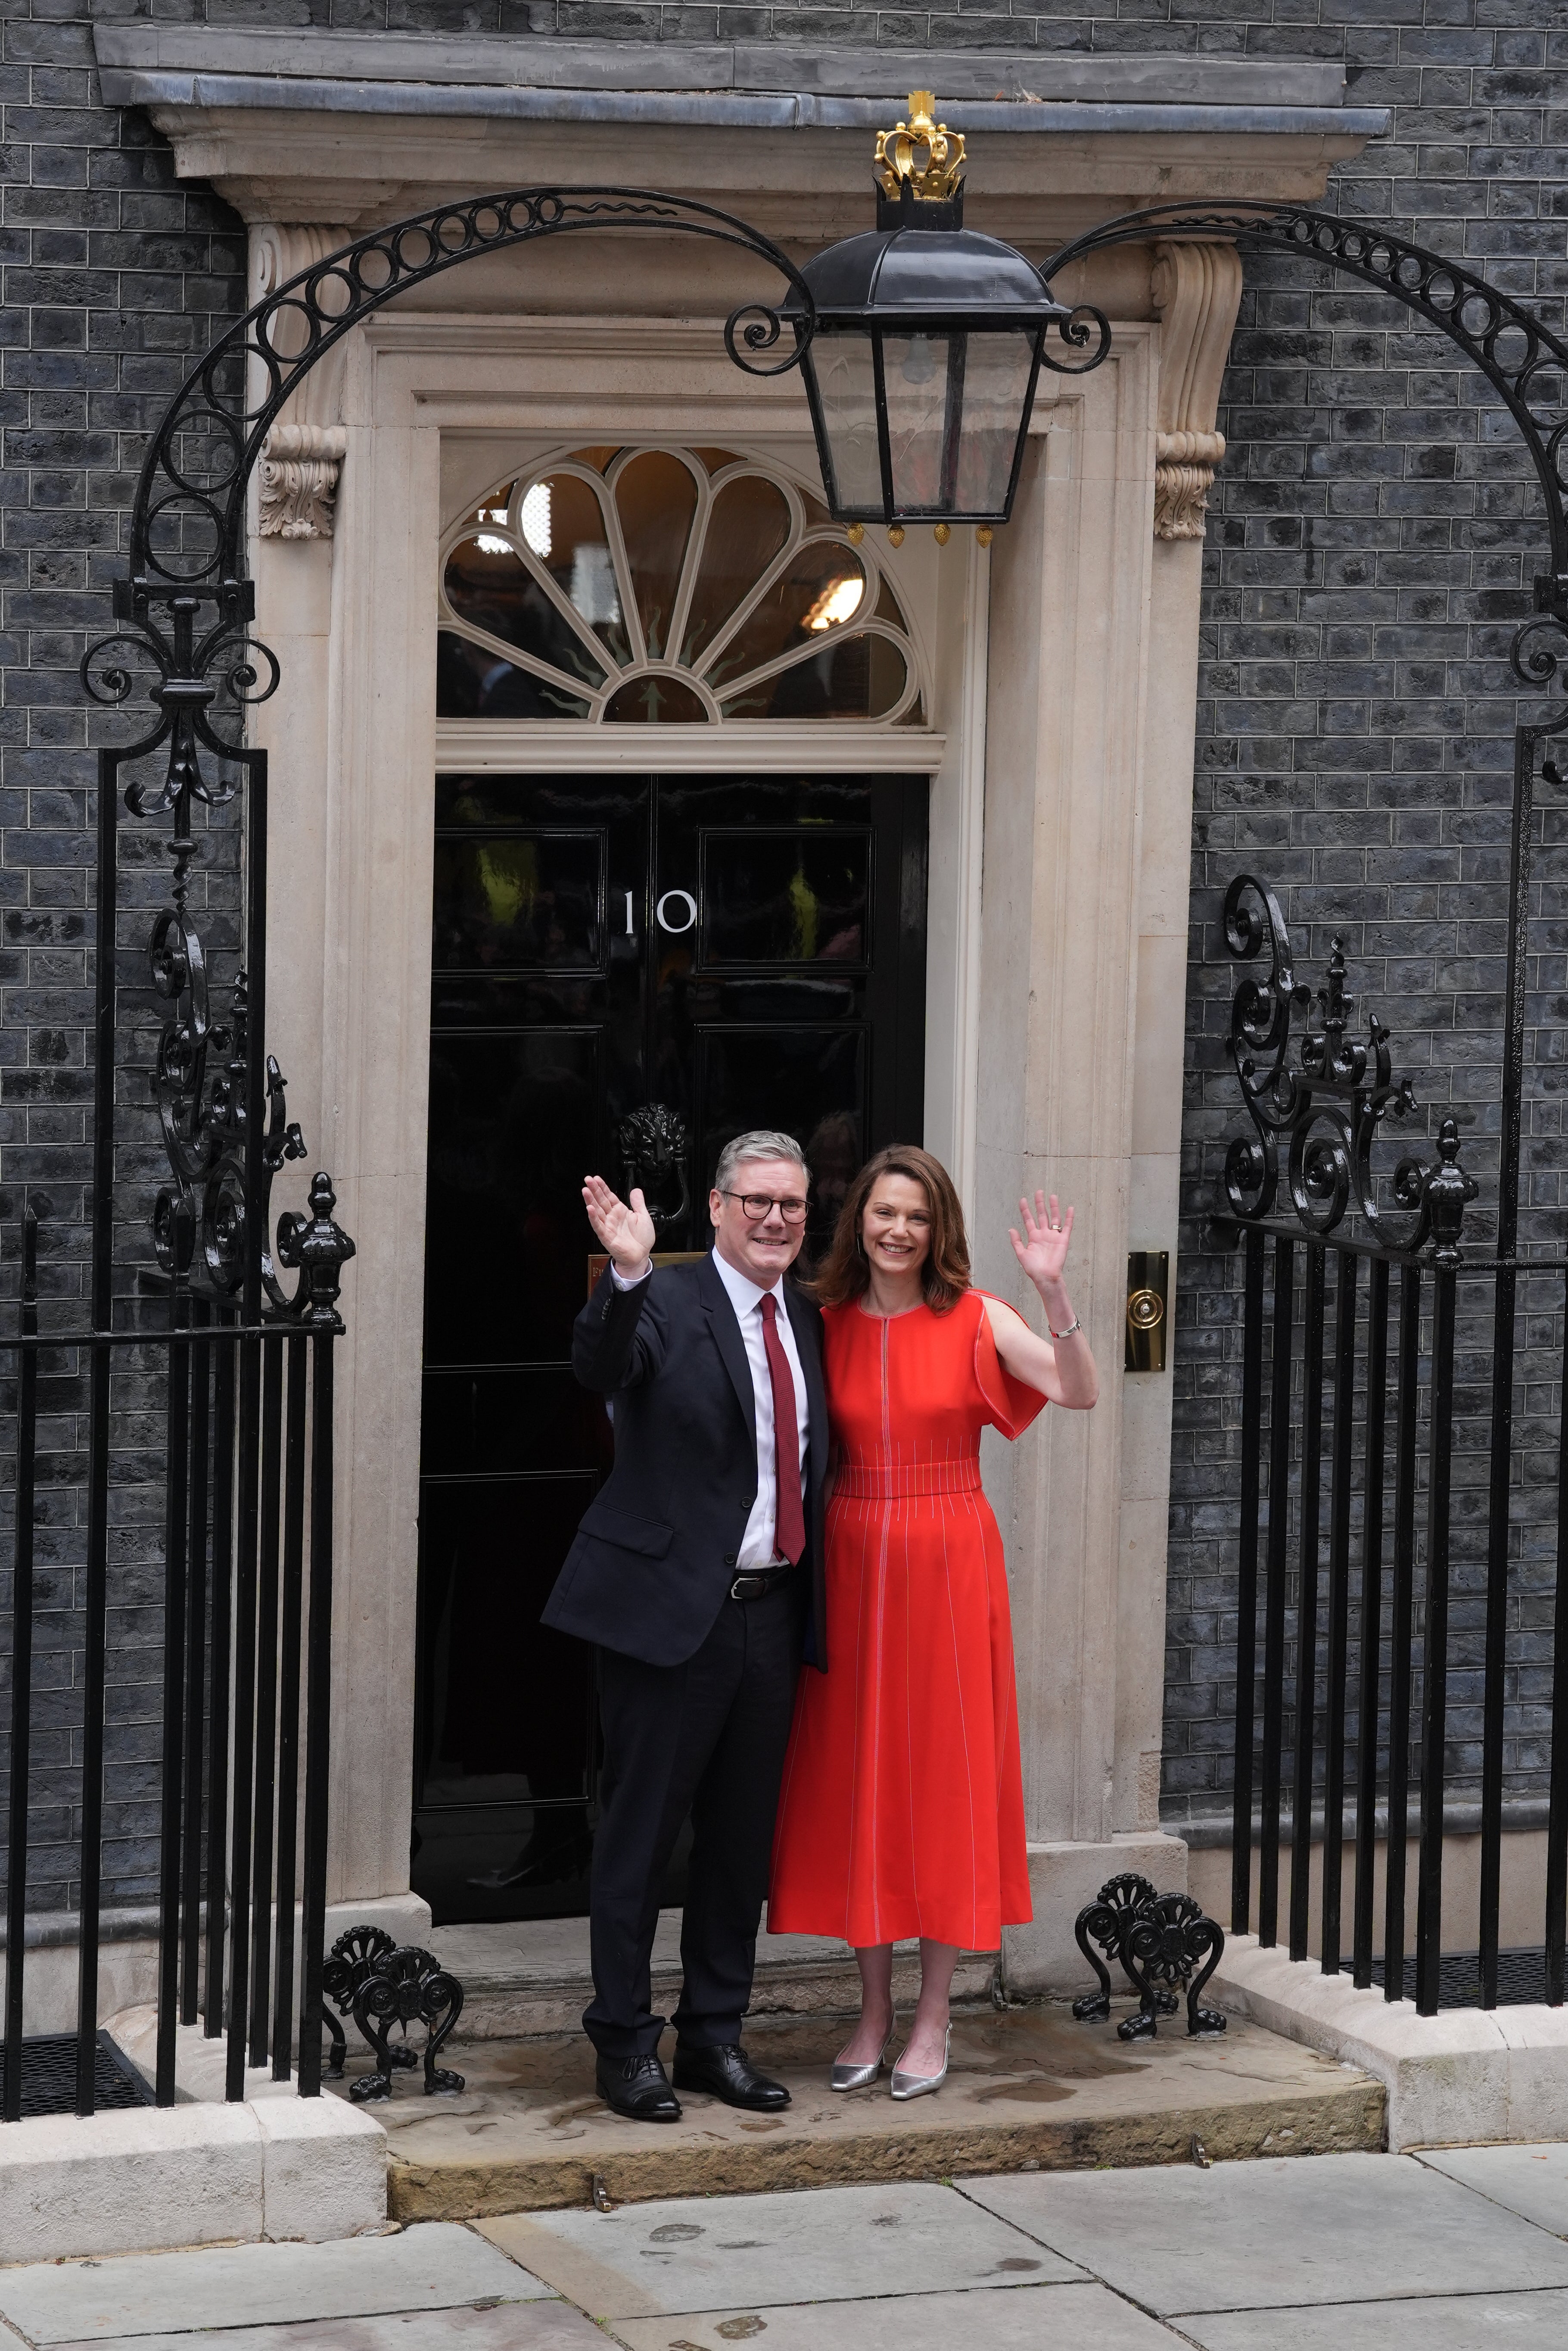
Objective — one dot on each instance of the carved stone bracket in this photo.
(1196, 288)
(296, 481)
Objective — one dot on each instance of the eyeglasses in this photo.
(755, 1206)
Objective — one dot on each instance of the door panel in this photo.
(748, 951)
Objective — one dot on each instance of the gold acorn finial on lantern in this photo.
(939, 179)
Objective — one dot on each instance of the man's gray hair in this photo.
(762, 1142)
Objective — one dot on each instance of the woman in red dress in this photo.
(902, 1809)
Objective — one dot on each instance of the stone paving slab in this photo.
(1269, 2236)
(837, 2244)
(1530, 2180)
(1083, 2317)
(512, 2326)
(1465, 2322)
(1029, 2086)
(139, 2294)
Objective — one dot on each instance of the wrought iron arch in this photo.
(184, 610)
(1527, 366)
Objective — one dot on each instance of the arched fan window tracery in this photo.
(660, 586)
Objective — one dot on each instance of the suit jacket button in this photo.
(729, 1559)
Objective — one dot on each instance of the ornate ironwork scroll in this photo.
(1105, 1922)
(387, 1989)
(189, 533)
(404, 1987)
(349, 1966)
(1165, 1947)
(1316, 1116)
(1171, 1949)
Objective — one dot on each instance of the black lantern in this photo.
(929, 342)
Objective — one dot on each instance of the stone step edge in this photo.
(1344, 2118)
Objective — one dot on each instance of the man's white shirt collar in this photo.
(744, 1293)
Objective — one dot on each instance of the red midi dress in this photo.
(902, 1807)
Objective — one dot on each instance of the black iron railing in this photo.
(1359, 1556)
(240, 1365)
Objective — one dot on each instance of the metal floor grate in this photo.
(50, 2075)
(1521, 1978)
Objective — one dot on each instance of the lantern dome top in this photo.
(957, 273)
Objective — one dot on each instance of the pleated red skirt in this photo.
(902, 1807)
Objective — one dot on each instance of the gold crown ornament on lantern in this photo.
(939, 179)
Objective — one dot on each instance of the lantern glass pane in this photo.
(996, 386)
(917, 372)
(847, 387)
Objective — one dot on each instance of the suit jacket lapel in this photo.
(731, 1347)
(809, 1346)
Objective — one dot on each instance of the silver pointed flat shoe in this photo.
(856, 2077)
(920, 2085)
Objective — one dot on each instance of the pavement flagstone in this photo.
(540, 2326)
(1466, 2322)
(1264, 2236)
(1447, 2252)
(1530, 2180)
(1057, 2319)
(138, 2294)
(732, 2252)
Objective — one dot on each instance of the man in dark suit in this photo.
(696, 1571)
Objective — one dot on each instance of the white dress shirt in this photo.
(758, 1544)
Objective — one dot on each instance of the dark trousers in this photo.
(707, 1738)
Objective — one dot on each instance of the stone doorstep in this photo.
(1463, 2077)
(532, 1977)
(152, 2178)
(1030, 2089)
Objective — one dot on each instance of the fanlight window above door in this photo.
(659, 585)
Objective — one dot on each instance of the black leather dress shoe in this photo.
(636, 2087)
(729, 2073)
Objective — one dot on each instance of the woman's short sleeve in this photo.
(1010, 1405)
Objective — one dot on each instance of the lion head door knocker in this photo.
(652, 1142)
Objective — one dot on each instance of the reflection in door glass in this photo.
(817, 579)
(523, 902)
(657, 500)
(851, 678)
(790, 897)
(748, 526)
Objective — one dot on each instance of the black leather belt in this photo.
(754, 1582)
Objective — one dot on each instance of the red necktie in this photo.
(789, 1521)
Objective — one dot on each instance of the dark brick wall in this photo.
(1374, 534)
(114, 279)
(1374, 538)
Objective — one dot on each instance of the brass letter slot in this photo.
(1148, 1286)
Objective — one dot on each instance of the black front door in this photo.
(716, 953)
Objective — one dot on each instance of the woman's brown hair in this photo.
(844, 1273)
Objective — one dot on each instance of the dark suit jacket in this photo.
(655, 1554)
